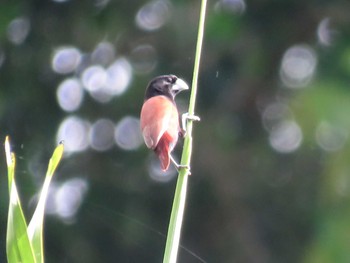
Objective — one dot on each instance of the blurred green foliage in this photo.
(270, 166)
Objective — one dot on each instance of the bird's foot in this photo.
(184, 118)
(178, 167)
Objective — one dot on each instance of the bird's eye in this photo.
(168, 82)
(172, 79)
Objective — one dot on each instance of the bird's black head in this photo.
(166, 85)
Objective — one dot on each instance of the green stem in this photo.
(176, 218)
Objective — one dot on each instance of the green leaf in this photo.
(35, 228)
(18, 246)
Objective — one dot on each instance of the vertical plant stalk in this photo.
(177, 212)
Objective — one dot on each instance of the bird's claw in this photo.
(184, 118)
(190, 117)
(178, 167)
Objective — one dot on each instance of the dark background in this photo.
(270, 158)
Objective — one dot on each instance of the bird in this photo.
(159, 118)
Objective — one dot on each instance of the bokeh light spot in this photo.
(60, 1)
(232, 6)
(102, 135)
(103, 54)
(298, 66)
(104, 84)
(157, 174)
(153, 15)
(68, 198)
(74, 132)
(70, 94)
(94, 78)
(144, 59)
(2, 57)
(329, 137)
(342, 182)
(274, 114)
(65, 60)
(325, 34)
(286, 137)
(101, 3)
(127, 133)
(18, 30)
(119, 76)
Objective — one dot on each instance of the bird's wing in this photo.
(156, 116)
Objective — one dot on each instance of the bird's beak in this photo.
(179, 85)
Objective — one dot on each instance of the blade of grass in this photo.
(35, 228)
(177, 212)
(18, 246)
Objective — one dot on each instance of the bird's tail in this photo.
(163, 151)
